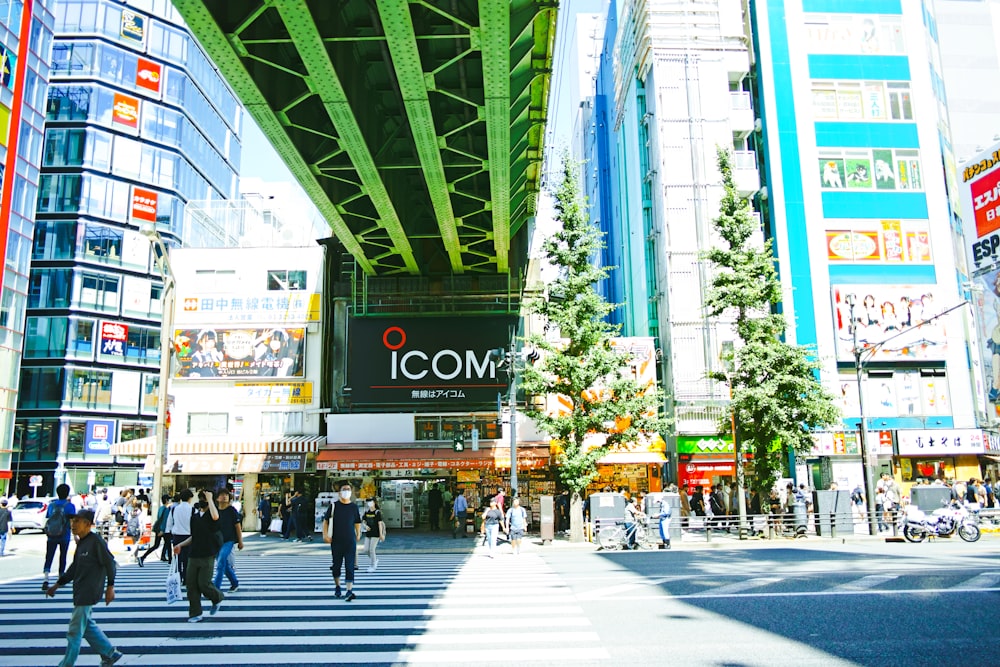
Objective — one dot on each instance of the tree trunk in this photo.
(576, 518)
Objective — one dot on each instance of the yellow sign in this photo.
(274, 393)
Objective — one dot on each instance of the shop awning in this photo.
(138, 447)
(199, 464)
(614, 458)
(289, 444)
(429, 459)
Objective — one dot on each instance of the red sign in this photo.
(5, 474)
(113, 337)
(705, 472)
(144, 204)
(126, 111)
(986, 203)
(148, 75)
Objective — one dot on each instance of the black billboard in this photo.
(429, 362)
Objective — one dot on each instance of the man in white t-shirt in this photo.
(182, 528)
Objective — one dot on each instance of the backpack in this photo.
(856, 497)
(57, 523)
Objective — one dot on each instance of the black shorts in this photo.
(346, 556)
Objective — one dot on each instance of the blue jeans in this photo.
(81, 626)
(3, 544)
(491, 536)
(224, 565)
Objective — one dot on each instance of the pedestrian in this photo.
(446, 501)
(685, 505)
(562, 511)
(203, 545)
(93, 575)
(500, 498)
(232, 536)
(434, 503)
(285, 514)
(717, 502)
(159, 530)
(459, 514)
(858, 503)
(5, 525)
(698, 502)
(264, 514)
(182, 514)
(374, 529)
(492, 520)
(631, 521)
(104, 514)
(342, 531)
(664, 514)
(517, 523)
(57, 531)
(298, 512)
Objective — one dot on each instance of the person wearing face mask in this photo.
(342, 531)
(374, 529)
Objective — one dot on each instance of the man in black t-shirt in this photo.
(232, 537)
(205, 542)
(342, 530)
(434, 503)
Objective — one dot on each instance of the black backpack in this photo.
(56, 524)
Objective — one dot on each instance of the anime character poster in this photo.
(240, 353)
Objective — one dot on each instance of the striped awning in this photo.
(138, 447)
(290, 444)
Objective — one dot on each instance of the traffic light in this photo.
(458, 444)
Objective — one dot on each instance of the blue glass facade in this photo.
(138, 123)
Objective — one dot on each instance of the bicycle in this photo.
(616, 537)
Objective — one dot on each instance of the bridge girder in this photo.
(415, 126)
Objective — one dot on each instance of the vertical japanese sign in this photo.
(113, 338)
(126, 111)
(148, 75)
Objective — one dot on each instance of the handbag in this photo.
(275, 526)
(174, 582)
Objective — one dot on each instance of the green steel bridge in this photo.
(415, 126)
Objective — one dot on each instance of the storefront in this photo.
(634, 470)
(836, 459)
(705, 460)
(401, 477)
(939, 454)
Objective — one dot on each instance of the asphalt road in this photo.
(817, 603)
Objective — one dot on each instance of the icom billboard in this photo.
(432, 362)
(980, 191)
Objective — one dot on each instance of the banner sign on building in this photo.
(133, 27)
(980, 197)
(8, 63)
(113, 338)
(126, 111)
(890, 316)
(98, 436)
(144, 204)
(285, 306)
(274, 393)
(425, 362)
(148, 75)
(705, 444)
(841, 443)
(240, 353)
(940, 442)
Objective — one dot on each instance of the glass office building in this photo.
(138, 122)
(25, 41)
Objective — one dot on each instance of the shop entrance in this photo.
(404, 501)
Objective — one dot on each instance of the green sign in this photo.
(705, 444)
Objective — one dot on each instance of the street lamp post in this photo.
(508, 358)
(166, 324)
(865, 450)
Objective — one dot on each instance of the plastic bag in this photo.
(174, 582)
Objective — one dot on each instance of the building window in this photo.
(208, 423)
(150, 393)
(856, 100)
(103, 244)
(286, 280)
(41, 388)
(49, 288)
(870, 169)
(99, 292)
(88, 388)
(898, 393)
(54, 239)
(280, 422)
(900, 105)
(136, 430)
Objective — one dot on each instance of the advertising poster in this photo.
(426, 361)
(980, 197)
(98, 436)
(240, 353)
(8, 63)
(890, 317)
(148, 75)
(986, 303)
(113, 337)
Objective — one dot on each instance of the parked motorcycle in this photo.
(943, 522)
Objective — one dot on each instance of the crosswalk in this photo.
(416, 609)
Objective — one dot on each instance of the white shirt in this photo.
(182, 518)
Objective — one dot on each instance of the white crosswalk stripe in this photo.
(417, 608)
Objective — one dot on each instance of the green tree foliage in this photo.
(584, 359)
(776, 393)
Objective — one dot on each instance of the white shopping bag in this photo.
(174, 582)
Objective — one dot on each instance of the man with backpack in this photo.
(57, 532)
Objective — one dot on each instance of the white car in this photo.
(29, 514)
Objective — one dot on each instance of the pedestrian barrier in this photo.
(794, 524)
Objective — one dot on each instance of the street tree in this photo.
(602, 405)
(777, 397)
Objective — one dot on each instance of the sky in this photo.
(260, 160)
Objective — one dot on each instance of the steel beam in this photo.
(494, 23)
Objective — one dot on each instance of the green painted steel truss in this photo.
(415, 126)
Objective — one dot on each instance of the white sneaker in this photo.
(375, 565)
(371, 568)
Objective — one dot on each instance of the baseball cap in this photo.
(86, 515)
